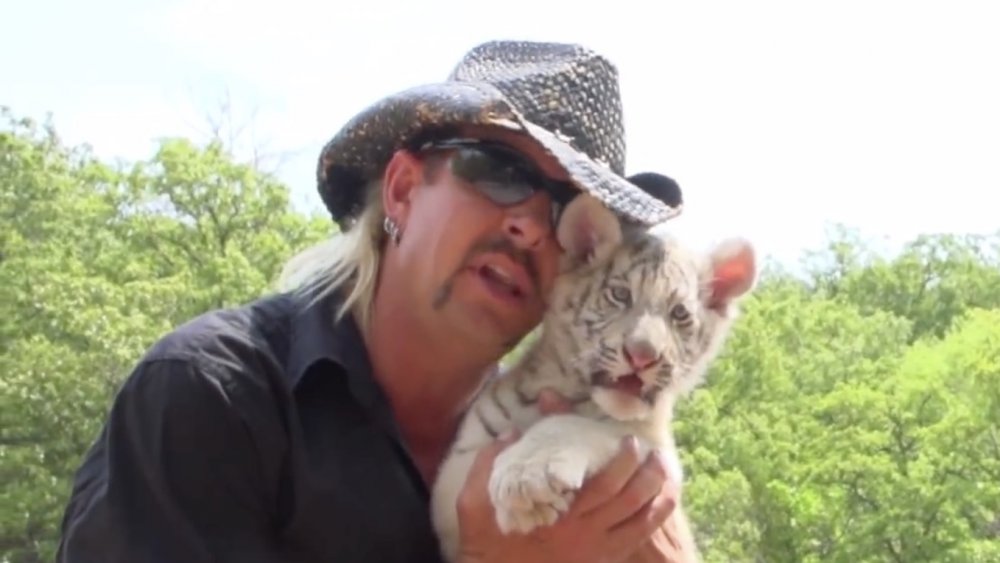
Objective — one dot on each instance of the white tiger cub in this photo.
(633, 322)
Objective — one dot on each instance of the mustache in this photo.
(503, 245)
(499, 244)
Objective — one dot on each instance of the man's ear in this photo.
(403, 173)
(588, 232)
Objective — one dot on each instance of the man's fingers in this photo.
(643, 487)
(607, 483)
(650, 519)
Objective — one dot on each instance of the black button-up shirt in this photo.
(253, 434)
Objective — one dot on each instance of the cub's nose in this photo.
(640, 354)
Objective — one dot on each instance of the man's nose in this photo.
(528, 225)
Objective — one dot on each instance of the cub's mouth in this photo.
(629, 384)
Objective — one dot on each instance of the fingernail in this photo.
(630, 443)
(508, 435)
(661, 460)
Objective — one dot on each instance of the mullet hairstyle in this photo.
(350, 260)
(346, 261)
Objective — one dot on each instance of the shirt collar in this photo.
(318, 337)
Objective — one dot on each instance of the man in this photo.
(308, 426)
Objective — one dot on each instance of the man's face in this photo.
(477, 253)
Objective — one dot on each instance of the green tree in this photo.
(933, 280)
(97, 263)
(848, 422)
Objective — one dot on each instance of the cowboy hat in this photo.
(564, 96)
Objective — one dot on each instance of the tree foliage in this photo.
(96, 262)
(854, 415)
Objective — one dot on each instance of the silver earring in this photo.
(391, 229)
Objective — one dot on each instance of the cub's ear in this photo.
(588, 232)
(731, 272)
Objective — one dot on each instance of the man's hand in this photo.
(670, 543)
(615, 514)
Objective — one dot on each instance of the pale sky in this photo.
(777, 118)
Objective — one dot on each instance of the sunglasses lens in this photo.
(506, 193)
(499, 176)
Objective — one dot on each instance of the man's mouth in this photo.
(500, 279)
(507, 281)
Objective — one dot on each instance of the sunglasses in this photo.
(501, 174)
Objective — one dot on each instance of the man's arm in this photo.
(174, 476)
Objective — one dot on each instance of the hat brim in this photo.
(362, 148)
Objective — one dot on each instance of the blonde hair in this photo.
(346, 262)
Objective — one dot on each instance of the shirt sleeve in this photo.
(174, 476)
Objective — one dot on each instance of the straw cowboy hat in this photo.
(564, 96)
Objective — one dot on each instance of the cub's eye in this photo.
(680, 313)
(620, 294)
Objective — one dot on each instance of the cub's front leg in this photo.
(535, 480)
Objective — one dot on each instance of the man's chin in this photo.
(482, 323)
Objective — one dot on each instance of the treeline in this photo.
(855, 415)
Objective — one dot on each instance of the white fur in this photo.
(535, 480)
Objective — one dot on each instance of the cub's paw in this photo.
(534, 491)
